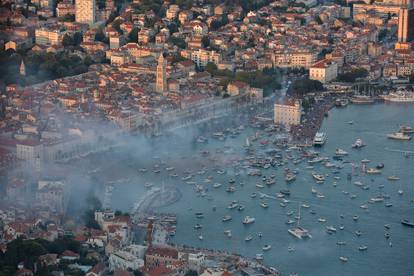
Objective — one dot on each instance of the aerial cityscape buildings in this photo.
(206, 137)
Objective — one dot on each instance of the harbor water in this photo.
(342, 198)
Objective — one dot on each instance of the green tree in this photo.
(205, 41)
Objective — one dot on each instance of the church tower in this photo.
(22, 69)
(161, 79)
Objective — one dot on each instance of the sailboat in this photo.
(299, 232)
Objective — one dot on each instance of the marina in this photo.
(336, 200)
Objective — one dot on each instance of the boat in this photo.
(318, 177)
(285, 192)
(299, 232)
(266, 247)
(380, 166)
(406, 129)
(358, 144)
(407, 222)
(227, 233)
(321, 220)
(264, 204)
(373, 171)
(340, 152)
(253, 195)
(248, 238)
(226, 218)
(341, 243)
(355, 218)
(290, 221)
(290, 177)
(393, 178)
(260, 186)
(305, 205)
(231, 189)
(248, 220)
(343, 259)
(363, 248)
(330, 229)
(319, 139)
(198, 226)
(217, 185)
(377, 199)
(259, 257)
(399, 136)
(388, 204)
(362, 100)
(241, 208)
(314, 191)
(233, 205)
(199, 215)
(200, 237)
(291, 249)
(399, 96)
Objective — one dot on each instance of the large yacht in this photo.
(299, 232)
(399, 136)
(400, 96)
(320, 139)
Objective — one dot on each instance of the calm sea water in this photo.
(319, 255)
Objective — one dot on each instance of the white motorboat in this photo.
(399, 136)
(248, 220)
(343, 259)
(267, 247)
(358, 144)
(248, 238)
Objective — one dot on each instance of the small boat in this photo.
(291, 249)
(340, 152)
(343, 259)
(363, 248)
(290, 221)
(248, 238)
(227, 233)
(264, 204)
(253, 195)
(248, 220)
(241, 208)
(388, 204)
(407, 222)
(399, 136)
(259, 257)
(198, 226)
(267, 247)
(233, 205)
(290, 177)
(318, 177)
(341, 227)
(341, 243)
(231, 189)
(380, 166)
(387, 226)
(393, 178)
(330, 229)
(400, 191)
(217, 185)
(373, 171)
(319, 139)
(285, 192)
(322, 220)
(355, 218)
(406, 129)
(358, 233)
(358, 144)
(200, 237)
(199, 215)
(260, 186)
(305, 205)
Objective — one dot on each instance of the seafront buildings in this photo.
(287, 112)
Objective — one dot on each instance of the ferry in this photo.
(362, 100)
(399, 96)
(320, 139)
(248, 220)
(399, 136)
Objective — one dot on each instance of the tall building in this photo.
(287, 112)
(406, 22)
(85, 11)
(22, 69)
(161, 82)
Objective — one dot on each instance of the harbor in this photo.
(344, 213)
